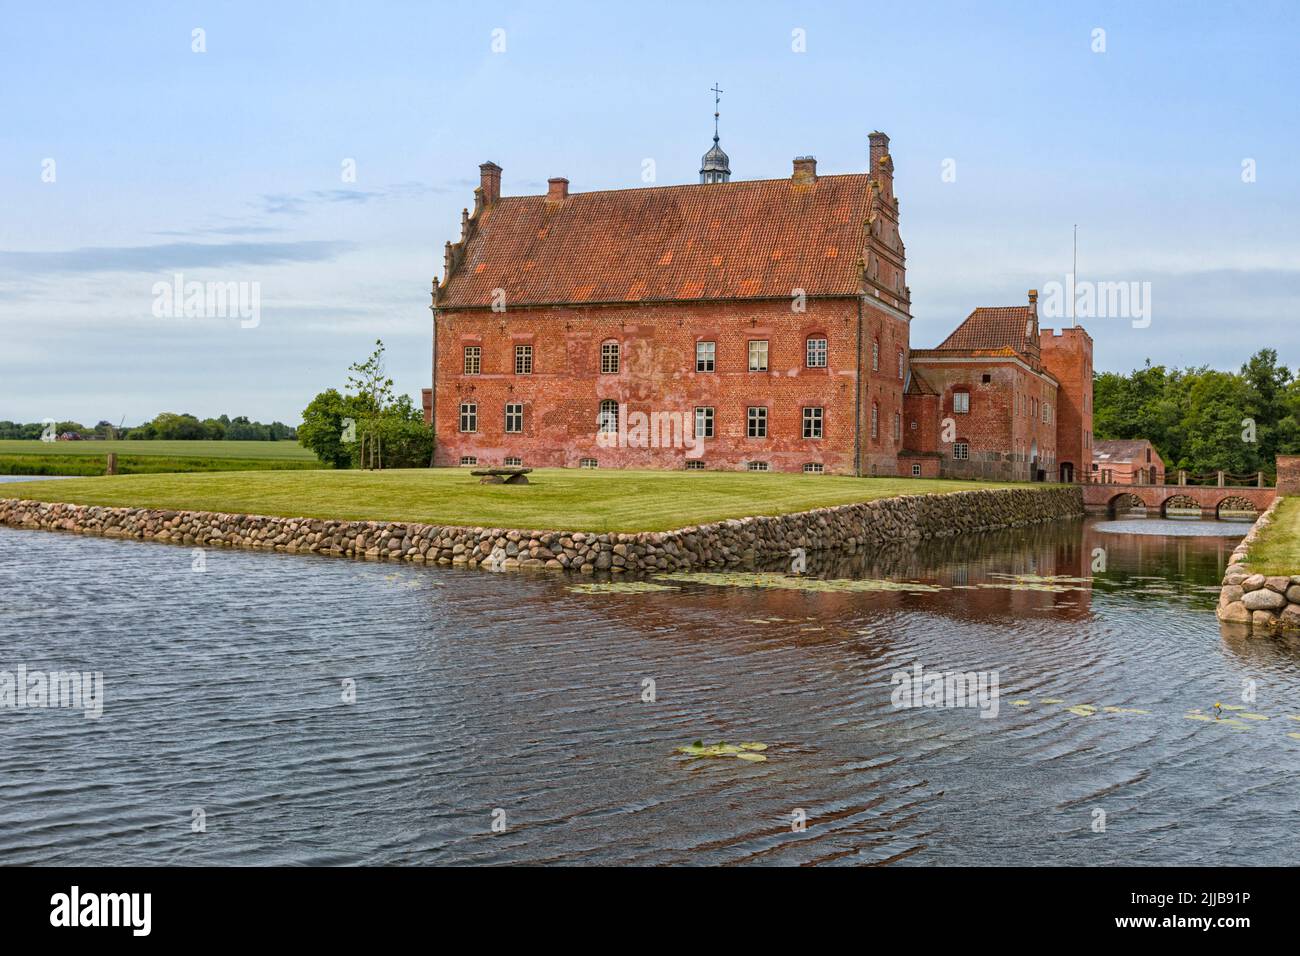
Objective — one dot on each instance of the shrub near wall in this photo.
(737, 541)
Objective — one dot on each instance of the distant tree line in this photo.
(1203, 420)
(167, 426)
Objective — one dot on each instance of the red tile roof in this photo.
(1001, 327)
(740, 240)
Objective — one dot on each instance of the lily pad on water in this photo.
(1042, 578)
(1124, 710)
(1083, 710)
(620, 587)
(746, 579)
(743, 751)
(1051, 700)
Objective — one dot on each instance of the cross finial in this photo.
(717, 98)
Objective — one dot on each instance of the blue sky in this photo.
(227, 166)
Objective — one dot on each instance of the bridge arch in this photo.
(1179, 501)
(1124, 502)
(1236, 503)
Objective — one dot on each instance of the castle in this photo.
(749, 325)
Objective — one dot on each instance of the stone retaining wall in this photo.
(732, 542)
(1265, 604)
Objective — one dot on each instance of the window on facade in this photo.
(986, 378)
(898, 426)
(473, 359)
(468, 460)
(875, 356)
(1047, 411)
(812, 422)
(758, 355)
(916, 471)
(523, 360)
(960, 451)
(704, 422)
(513, 461)
(756, 466)
(900, 365)
(514, 416)
(588, 463)
(609, 358)
(706, 354)
(694, 464)
(813, 468)
(875, 420)
(756, 422)
(608, 419)
(468, 417)
(960, 403)
(816, 353)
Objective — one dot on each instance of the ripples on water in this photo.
(477, 691)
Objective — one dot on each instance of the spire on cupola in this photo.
(715, 167)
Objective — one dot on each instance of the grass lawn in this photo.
(1277, 549)
(556, 498)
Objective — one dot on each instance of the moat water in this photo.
(519, 699)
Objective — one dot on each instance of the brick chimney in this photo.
(557, 188)
(1033, 301)
(490, 182)
(805, 169)
(881, 163)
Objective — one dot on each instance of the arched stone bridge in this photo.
(1211, 499)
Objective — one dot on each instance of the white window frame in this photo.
(816, 352)
(474, 356)
(706, 354)
(705, 420)
(610, 357)
(814, 421)
(961, 403)
(961, 451)
(607, 417)
(515, 417)
(469, 414)
(756, 421)
(523, 360)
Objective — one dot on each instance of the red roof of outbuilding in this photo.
(998, 327)
(741, 240)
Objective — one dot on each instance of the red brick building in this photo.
(1132, 461)
(1000, 398)
(769, 318)
(759, 325)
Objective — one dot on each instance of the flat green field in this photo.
(1277, 550)
(148, 457)
(556, 498)
(172, 449)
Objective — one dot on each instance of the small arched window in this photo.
(875, 420)
(875, 355)
(609, 358)
(608, 419)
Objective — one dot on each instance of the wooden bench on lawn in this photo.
(502, 476)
